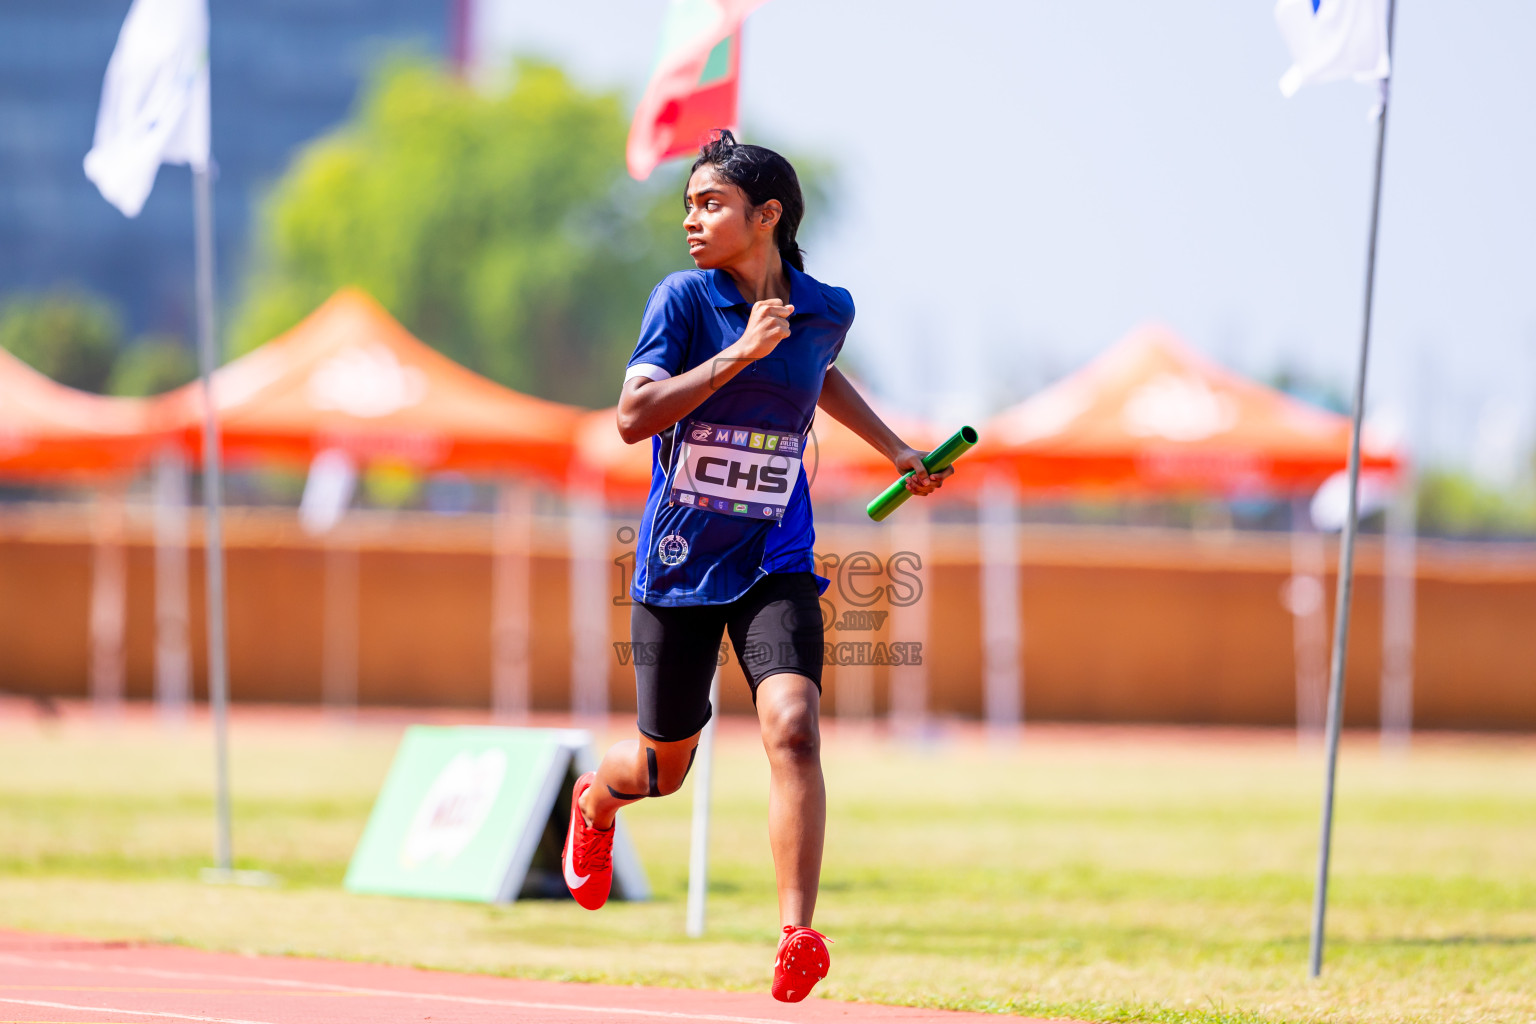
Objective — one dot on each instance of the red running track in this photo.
(47, 980)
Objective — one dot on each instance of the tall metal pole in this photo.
(1347, 544)
(213, 501)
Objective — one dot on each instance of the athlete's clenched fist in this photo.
(768, 325)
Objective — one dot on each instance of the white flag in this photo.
(1333, 39)
(154, 102)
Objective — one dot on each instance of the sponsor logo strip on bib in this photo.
(738, 472)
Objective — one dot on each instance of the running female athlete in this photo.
(733, 359)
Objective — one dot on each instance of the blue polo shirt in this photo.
(690, 318)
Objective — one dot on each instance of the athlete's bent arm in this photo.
(844, 403)
(648, 406)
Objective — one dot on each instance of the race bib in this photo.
(740, 472)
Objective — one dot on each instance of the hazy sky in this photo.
(1023, 182)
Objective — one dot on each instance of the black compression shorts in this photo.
(774, 627)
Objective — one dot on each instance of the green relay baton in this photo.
(891, 498)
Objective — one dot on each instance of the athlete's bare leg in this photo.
(633, 770)
(788, 711)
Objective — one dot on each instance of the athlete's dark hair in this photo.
(763, 175)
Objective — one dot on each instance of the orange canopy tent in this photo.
(49, 430)
(1152, 416)
(837, 461)
(623, 469)
(350, 377)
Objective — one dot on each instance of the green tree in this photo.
(1454, 503)
(501, 229)
(67, 334)
(152, 365)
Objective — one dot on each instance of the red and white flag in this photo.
(692, 90)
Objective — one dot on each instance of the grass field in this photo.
(1112, 875)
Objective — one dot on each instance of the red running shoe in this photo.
(588, 857)
(802, 962)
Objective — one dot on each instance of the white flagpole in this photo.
(1306, 600)
(511, 608)
(912, 536)
(1398, 578)
(339, 632)
(1347, 547)
(173, 653)
(213, 500)
(698, 843)
(589, 605)
(109, 603)
(1002, 645)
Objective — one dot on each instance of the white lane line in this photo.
(127, 1013)
(321, 986)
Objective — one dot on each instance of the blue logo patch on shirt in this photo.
(738, 437)
(723, 435)
(672, 549)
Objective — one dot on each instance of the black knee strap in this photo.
(652, 772)
(650, 762)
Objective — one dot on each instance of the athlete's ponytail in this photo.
(763, 175)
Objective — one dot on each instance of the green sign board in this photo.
(478, 813)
